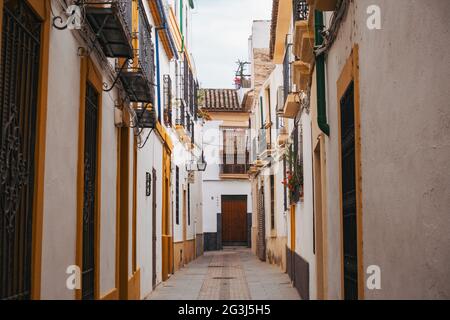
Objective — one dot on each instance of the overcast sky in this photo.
(220, 37)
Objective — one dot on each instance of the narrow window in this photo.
(177, 195)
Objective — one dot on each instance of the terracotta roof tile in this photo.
(221, 100)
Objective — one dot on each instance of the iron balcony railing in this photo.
(137, 75)
(167, 92)
(111, 23)
(234, 168)
(262, 138)
(187, 95)
(188, 123)
(186, 78)
(300, 10)
(146, 48)
(181, 114)
(235, 163)
(125, 8)
(254, 149)
(196, 88)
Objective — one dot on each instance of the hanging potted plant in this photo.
(294, 178)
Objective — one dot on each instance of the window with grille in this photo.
(167, 92)
(19, 80)
(235, 151)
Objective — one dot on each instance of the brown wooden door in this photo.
(154, 236)
(234, 220)
(261, 240)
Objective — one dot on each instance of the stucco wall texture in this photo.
(405, 146)
(60, 197)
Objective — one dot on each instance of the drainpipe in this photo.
(320, 75)
(181, 25)
(158, 72)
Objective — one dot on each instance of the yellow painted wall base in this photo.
(112, 295)
(276, 251)
(184, 252)
(134, 286)
(178, 249)
(189, 251)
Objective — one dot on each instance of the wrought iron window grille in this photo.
(167, 92)
(301, 10)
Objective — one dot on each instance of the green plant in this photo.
(203, 114)
(294, 177)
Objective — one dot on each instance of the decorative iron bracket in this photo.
(105, 85)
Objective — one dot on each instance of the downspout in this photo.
(181, 26)
(320, 77)
(158, 72)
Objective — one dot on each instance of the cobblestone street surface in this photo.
(231, 274)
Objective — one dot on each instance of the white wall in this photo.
(305, 209)
(149, 158)
(261, 34)
(404, 146)
(108, 217)
(212, 201)
(60, 182)
(213, 186)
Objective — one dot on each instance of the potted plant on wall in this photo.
(294, 177)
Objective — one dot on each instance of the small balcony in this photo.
(303, 39)
(183, 123)
(138, 77)
(146, 118)
(137, 84)
(227, 169)
(238, 169)
(287, 73)
(301, 74)
(264, 145)
(283, 136)
(167, 93)
(292, 106)
(111, 23)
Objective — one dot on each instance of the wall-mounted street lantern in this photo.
(199, 166)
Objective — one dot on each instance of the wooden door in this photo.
(89, 195)
(348, 193)
(261, 241)
(166, 225)
(154, 237)
(124, 197)
(234, 220)
(319, 217)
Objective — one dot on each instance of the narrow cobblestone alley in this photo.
(231, 274)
